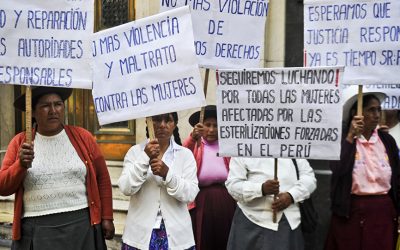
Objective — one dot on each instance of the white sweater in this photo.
(56, 181)
(149, 193)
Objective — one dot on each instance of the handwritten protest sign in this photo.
(46, 43)
(228, 33)
(392, 91)
(146, 67)
(282, 112)
(362, 35)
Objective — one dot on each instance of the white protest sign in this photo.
(282, 112)
(146, 67)
(392, 92)
(46, 43)
(362, 35)
(228, 33)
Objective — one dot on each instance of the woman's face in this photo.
(164, 126)
(49, 114)
(372, 114)
(210, 129)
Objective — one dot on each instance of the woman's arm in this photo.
(183, 187)
(103, 182)
(134, 173)
(345, 165)
(238, 185)
(348, 147)
(12, 173)
(194, 137)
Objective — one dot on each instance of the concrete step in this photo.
(120, 211)
(118, 195)
(120, 201)
(5, 236)
(6, 209)
(114, 169)
(7, 198)
(115, 173)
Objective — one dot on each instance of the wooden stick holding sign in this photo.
(359, 102)
(203, 109)
(150, 127)
(275, 196)
(28, 114)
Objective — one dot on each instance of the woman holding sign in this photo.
(160, 177)
(364, 191)
(61, 183)
(213, 209)
(251, 182)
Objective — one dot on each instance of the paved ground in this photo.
(4, 248)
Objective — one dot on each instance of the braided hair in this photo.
(177, 138)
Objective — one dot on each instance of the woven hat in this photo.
(37, 92)
(349, 97)
(209, 111)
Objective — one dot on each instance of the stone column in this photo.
(274, 48)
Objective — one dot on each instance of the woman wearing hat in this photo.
(213, 209)
(61, 183)
(364, 183)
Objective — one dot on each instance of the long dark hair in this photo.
(174, 115)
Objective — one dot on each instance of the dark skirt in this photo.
(245, 235)
(62, 231)
(212, 217)
(372, 225)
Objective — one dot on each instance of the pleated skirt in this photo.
(62, 231)
(245, 235)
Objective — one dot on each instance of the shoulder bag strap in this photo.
(297, 168)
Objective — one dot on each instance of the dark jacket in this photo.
(342, 170)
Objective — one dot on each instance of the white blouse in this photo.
(149, 193)
(246, 176)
